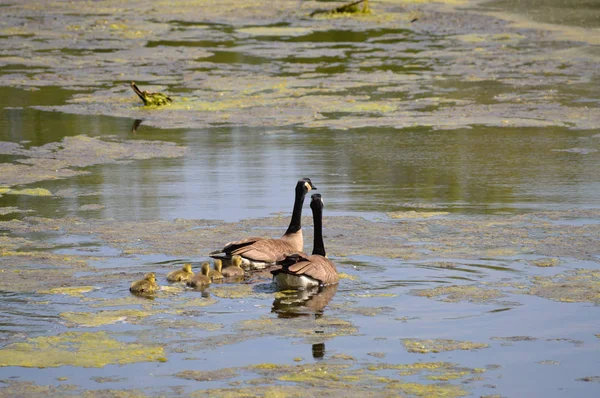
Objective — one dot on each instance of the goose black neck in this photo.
(318, 245)
(296, 221)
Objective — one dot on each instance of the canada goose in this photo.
(202, 278)
(259, 252)
(234, 269)
(150, 99)
(216, 272)
(300, 271)
(181, 275)
(145, 286)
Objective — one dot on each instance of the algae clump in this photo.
(88, 350)
(91, 319)
(30, 192)
(75, 291)
(459, 293)
(440, 345)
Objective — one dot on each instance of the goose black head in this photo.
(316, 201)
(305, 185)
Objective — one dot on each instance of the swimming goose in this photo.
(145, 286)
(300, 271)
(256, 252)
(201, 279)
(234, 269)
(181, 275)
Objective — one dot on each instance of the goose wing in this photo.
(230, 247)
(314, 266)
(266, 250)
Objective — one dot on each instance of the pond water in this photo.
(457, 156)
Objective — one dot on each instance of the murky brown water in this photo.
(457, 156)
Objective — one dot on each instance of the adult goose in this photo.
(257, 252)
(300, 271)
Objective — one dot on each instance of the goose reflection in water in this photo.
(308, 302)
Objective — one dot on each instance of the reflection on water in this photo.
(236, 173)
(309, 302)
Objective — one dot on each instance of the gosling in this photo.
(235, 269)
(181, 275)
(145, 286)
(202, 278)
(216, 272)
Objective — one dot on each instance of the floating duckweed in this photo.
(221, 374)
(429, 390)
(237, 291)
(439, 345)
(88, 350)
(579, 286)
(187, 324)
(343, 275)
(117, 302)
(92, 319)
(75, 291)
(416, 214)
(448, 376)
(460, 293)
(275, 31)
(265, 366)
(196, 302)
(546, 262)
(321, 329)
(30, 192)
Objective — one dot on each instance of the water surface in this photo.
(457, 157)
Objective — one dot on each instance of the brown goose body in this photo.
(301, 271)
(257, 252)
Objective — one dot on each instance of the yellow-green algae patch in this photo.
(237, 291)
(581, 285)
(458, 293)
(57, 160)
(342, 379)
(48, 258)
(318, 330)
(429, 390)
(186, 324)
(343, 275)
(196, 302)
(117, 302)
(416, 214)
(275, 31)
(92, 319)
(75, 291)
(30, 192)
(88, 350)
(221, 374)
(440, 345)
(546, 262)
(28, 389)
